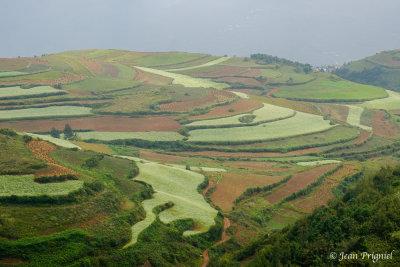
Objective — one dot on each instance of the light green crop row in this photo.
(301, 123)
(354, 117)
(150, 136)
(267, 113)
(392, 102)
(56, 141)
(54, 111)
(180, 187)
(25, 186)
(16, 91)
(317, 162)
(185, 80)
(12, 73)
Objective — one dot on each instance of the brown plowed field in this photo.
(297, 182)
(12, 64)
(82, 102)
(112, 70)
(363, 136)
(234, 184)
(251, 154)
(160, 157)
(240, 106)
(251, 73)
(42, 150)
(65, 78)
(241, 80)
(103, 123)
(338, 112)
(383, 127)
(253, 165)
(213, 97)
(225, 71)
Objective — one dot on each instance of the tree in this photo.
(68, 133)
(55, 133)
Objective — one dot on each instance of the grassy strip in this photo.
(311, 186)
(250, 191)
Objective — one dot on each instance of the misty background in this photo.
(310, 31)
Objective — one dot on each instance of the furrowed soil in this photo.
(234, 184)
(42, 150)
(363, 136)
(383, 127)
(297, 182)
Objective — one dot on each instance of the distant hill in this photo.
(382, 69)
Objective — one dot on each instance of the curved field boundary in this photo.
(392, 102)
(241, 95)
(53, 111)
(267, 113)
(210, 63)
(317, 162)
(180, 187)
(185, 80)
(24, 185)
(56, 141)
(301, 123)
(354, 117)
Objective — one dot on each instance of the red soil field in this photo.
(251, 154)
(234, 184)
(225, 71)
(240, 106)
(91, 64)
(151, 78)
(383, 127)
(213, 97)
(39, 61)
(111, 69)
(82, 102)
(251, 73)
(363, 136)
(42, 150)
(103, 123)
(12, 64)
(297, 182)
(338, 112)
(241, 80)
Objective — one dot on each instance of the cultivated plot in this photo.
(18, 92)
(150, 136)
(54, 111)
(56, 141)
(210, 63)
(180, 187)
(354, 117)
(392, 102)
(301, 123)
(267, 113)
(185, 80)
(24, 185)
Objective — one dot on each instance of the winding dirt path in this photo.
(224, 238)
(210, 184)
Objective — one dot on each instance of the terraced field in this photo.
(18, 92)
(266, 113)
(24, 185)
(54, 111)
(354, 117)
(301, 123)
(150, 136)
(185, 80)
(210, 63)
(392, 102)
(180, 187)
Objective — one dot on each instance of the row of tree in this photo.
(68, 132)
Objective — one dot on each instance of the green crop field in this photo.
(161, 59)
(16, 92)
(24, 185)
(180, 187)
(301, 123)
(150, 136)
(48, 75)
(354, 117)
(11, 73)
(317, 162)
(100, 84)
(54, 111)
(267, 113)
(208, 64)
(56, 141)
(185, 80)
(326, 88)
(241, 95)
(392, 102)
